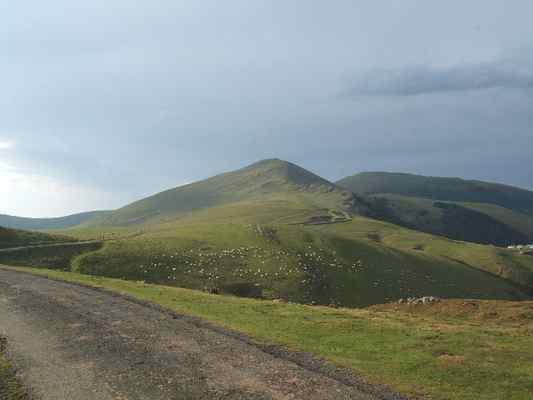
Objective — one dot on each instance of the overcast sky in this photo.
(105, 101)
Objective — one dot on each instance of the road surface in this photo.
(74, 342)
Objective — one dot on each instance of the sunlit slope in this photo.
(355, 263)
(269, 180)
(465, 210)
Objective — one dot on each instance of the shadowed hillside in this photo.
(465, 210)
(66, 222)
(15, 237)
(445, 189)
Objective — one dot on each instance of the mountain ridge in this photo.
(269, 179)
(470, 210)
(440, 188)
(63, 222)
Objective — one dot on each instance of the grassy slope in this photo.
(243, 237)
(494, 260)
(55, 257)
(483, 212)
(468, 350)
(16, 237)
(436, 188)
(355, 263)
(519, 221)
(50, 223)
(473, 222)
(272, 180)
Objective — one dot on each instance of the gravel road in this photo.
(73, 342)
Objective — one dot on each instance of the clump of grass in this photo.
(10, 387)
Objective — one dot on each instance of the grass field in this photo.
(54, 257)
(354, 263)
(16, 237)
(456, 349)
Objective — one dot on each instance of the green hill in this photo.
(273, 180)
(444, 189)
(460, 209)
(274, 230)
(356, 263)
(66, 222)
(15, 238)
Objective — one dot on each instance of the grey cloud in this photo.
(131, 98)
(416, 80)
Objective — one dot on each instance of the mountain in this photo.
(266, 181)
(438, 188)
(275, 230)
(66, 222)
(461, 209)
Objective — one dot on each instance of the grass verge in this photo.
(10, 387)
(461, 350)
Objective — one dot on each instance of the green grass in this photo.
(273, 180)
(10, 387)
(519, 221)
(479, 223)
(55, 257)
(441, 188)
(452, 350)
(355, 263)
(245, 231)
(51, 223)
(16, 237)
(475, 211)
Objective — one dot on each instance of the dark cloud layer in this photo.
(409, 81)
(107, 101)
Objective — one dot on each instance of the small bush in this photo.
(242, 289)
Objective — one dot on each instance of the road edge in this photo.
(302, 359)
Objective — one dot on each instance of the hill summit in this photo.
(263, 181)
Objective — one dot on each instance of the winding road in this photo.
(76, 343)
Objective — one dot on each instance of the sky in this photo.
(107, 101)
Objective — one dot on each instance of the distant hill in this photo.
(264, 181)
(66, 222)
(460, 209)
(15, 238)
(444, 189)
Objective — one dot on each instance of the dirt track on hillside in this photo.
(73, 342)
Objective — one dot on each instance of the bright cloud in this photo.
(6, 144)
(21, 193)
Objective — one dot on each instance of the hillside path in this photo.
(72, 342)
(39, 246)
